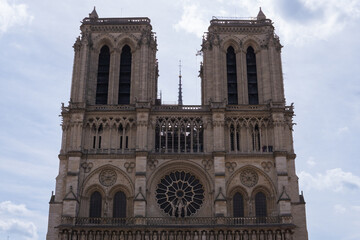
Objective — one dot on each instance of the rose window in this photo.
(180, 194)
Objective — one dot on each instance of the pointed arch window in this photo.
(260, 205)
(95, 205)
(119, 206)
(231, 76)
(238, 205)
(125, 75)
(103, 76)
(252, 76)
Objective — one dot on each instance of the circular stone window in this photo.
(179, 194)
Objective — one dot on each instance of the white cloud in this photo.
(12, 14)
(339, 209)
(311, 161)
(342, 130)
(296, 21)
(356, 208)
(334, 179)
(15, 221)
(192, 19)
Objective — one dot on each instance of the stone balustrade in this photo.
(172, 222)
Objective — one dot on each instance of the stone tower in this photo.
(132, 168)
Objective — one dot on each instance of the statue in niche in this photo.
(155, 236)
(211, 236)
(220, 236)
(129, 237)
(203, 235)
(246, 236)
(122, 237)
(163, 236)
(253, 235)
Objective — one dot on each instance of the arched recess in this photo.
(127, 39)
(231, 76)
(95, 209)
(252, 78)
(234, 207)
(251, 41)
(196, 170)
(121, 201)
(125, 75)
(92, 184)
(91, 200)
(231, 41)
(264, 184)
(263, 201)
(103, 73)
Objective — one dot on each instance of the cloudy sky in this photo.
(321, 64)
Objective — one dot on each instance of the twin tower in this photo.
(132, 168)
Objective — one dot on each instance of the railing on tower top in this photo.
(143, 20)
(168, 221)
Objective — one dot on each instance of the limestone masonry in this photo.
(132, 168)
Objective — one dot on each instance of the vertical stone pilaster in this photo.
(218, 120)
(140, 184)
(220, 188)
(79, 94)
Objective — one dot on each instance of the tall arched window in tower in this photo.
(231, 76)
(252, 76)
(238, 205)
(95, 205)
(260, 205)
(125, 76)
(103, 76)
(119, 206)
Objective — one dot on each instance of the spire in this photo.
(261, 15)
(180, 102)
(93, 14)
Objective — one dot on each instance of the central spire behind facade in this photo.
(180, 101)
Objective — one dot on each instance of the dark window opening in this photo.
(95, 205)
(119, 206)
(256, 139)
(234, 137)
(125, 76)
(103, 76)
(99, 141)
(238, 205)
(260, 207)
(231, 76)
(126, 142)
(252, 76)
(94, 141)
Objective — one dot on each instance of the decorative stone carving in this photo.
(230, 166)
(267, 166)
(152, 163)
(249, 177)
(87, 166)
(207, 163)
(107, 177)
(129, 166)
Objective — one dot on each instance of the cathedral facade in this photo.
(132, 168)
